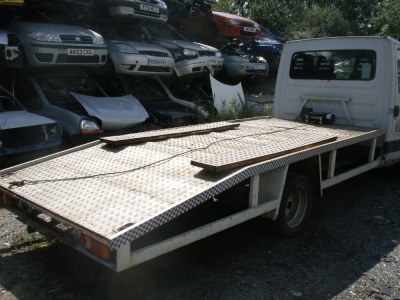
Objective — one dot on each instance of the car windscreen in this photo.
(57, 90)
(334, 65)
(8, 102)
(164, 32)
(148, 90)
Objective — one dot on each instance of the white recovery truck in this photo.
(125, 200)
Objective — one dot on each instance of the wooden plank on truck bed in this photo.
(251, 156)
(163, 134)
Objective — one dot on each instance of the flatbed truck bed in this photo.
(117, 190)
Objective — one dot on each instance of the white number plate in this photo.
(259, 67)
(249, 29)
(158, 62)
(149, 8)
(80, 52)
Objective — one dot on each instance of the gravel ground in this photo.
(350, 250)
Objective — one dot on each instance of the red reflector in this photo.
(6, 199)
(95, 246)
(83, 131)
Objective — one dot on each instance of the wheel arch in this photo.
(310, 168)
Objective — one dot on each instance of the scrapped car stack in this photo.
(106, 67)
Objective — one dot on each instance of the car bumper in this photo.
(137, 10)
(142, 65)
(199, 66)
(239, 32)
(239, 69)
(45, 55)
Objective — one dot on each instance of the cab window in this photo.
(334, 65)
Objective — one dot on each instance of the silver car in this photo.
(131, 54)
(8, 46)
(83, 109)
(191, 58)
(48, 44)
(239, 65)
(24, 135)
(151, 10)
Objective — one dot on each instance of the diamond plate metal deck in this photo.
(119, 193)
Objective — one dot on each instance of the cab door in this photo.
(396, 108)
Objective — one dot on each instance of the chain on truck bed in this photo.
(117, 191)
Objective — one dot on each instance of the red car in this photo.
(230, 25)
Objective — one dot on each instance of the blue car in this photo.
(268, 45)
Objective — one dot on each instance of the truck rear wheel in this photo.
(296, 205)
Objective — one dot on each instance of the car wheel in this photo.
(296, 206)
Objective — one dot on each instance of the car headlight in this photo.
(190, 52)
(262, 59)
(88, 126)
(218, 54)
(163, 5)
(234, 21)
(52, 131)
(44, 37)
(127, 49)
(98, 39)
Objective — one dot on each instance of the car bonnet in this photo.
(187, 44)
(22, 118)
(115, 113)
(57, 29)
(141, 46)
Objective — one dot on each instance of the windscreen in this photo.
(7, 102)
(334, 65)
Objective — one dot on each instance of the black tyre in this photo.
(296, 206)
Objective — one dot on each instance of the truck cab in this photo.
(344, 81)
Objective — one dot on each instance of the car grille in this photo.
(154, 53)
(247, 24)
(22, 137)
(147, 13)
(247, 33)
(261, 71)
(63, 58)
(154, 69)
(76, 39)
(206, 53)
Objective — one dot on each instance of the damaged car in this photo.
(192, 59)
(24, 135)
(49, 44)
(165, 109)
(234, 26)
(83, 109)
(150, 10)
(238, 65)
(130, 52)
(9, 50)
(264, 48)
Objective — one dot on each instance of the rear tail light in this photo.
(6, 199)
(94, 246)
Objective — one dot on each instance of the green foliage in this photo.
(238, 7)
(386, 20)
(277, 15)
(320, 22)
(233, 110)
(295, 19)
